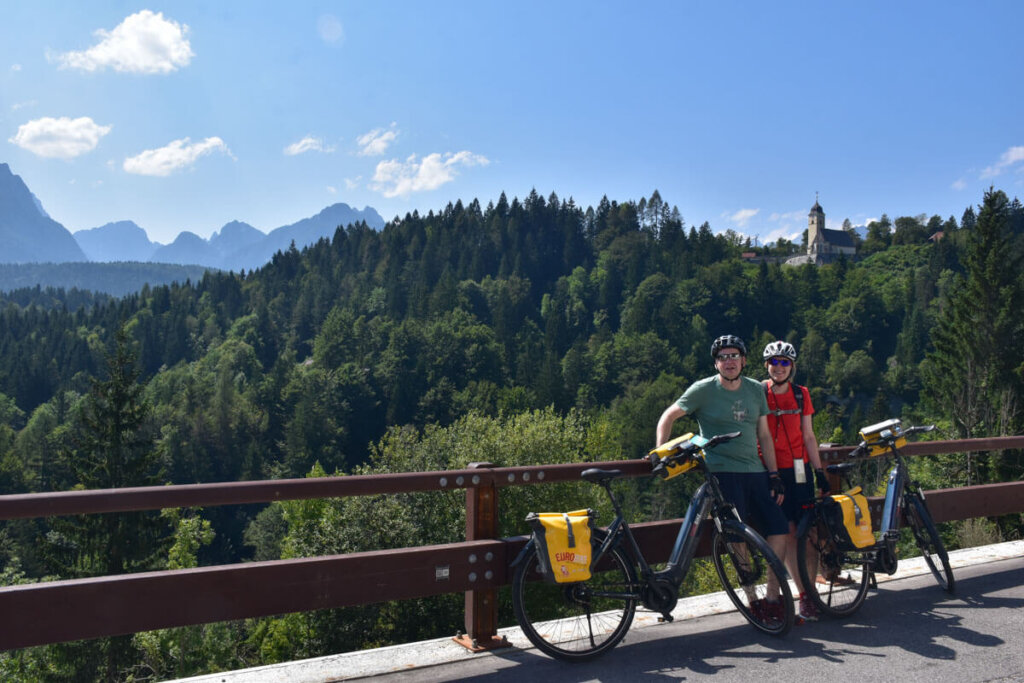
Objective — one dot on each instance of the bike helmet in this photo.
(780, 349)
(727, 341)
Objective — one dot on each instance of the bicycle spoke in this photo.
(577, 621)
(753, 579)
(835, 581)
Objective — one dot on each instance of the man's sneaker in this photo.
(808, 611)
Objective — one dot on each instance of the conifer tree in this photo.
(973, 375)
(113, 449)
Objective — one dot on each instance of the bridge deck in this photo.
(909, 627)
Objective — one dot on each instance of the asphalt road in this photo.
(907, 630)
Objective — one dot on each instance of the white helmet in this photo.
(780, 349)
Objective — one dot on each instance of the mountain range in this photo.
(29, 235)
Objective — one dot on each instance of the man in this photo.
(729, 402)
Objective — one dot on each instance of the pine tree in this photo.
(114, 448)
(973, 373)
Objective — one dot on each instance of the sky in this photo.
(188, 115)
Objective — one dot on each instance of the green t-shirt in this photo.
(718, 411)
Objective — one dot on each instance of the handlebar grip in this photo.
(721, 438)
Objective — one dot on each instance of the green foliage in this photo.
(530, 331)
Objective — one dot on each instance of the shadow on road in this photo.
(906, 617)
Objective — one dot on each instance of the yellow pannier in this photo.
(563, 544)
(849, 520)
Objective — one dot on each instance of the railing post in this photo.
(481, 605)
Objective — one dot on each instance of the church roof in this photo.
(839, 238)
(817, 208)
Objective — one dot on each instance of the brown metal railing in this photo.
(58, 611)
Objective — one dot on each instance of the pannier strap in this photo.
(568, 525)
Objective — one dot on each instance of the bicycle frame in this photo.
(704, 500)
(894, 490)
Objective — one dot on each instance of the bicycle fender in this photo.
(522, 553)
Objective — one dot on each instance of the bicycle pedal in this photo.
(666, 619)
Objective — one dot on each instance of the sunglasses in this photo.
(728, 356)
(784, 362)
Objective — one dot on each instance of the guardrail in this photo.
(77, 609)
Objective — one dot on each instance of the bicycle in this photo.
(836, 578)
(579, 621)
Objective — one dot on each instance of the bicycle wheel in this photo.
(576, 622)
(927, 537)
(753, 577)
(835, 581)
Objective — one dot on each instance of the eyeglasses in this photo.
(728, 356)
(784, 362)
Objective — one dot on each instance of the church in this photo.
(823, 245)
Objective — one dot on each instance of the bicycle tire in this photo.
(840, 579)
(928, 541)
(745, 563)
(572, 621)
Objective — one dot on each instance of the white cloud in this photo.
(400, 179)
(173, 157)
(63, 138)
(959, 184)
(743, 216)
(377, 141)
(307, 144)
(143, 43)
(332, 190)
(21, 105)
(15, 67)
(330, 29)
(778, 233)
(352, 183)
(1009, 158)
(789, 216)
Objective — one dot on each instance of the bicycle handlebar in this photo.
(689, 449)
(889, 438)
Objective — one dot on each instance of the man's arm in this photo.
(665, 422)
(764, 438)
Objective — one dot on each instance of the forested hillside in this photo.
(521, 332)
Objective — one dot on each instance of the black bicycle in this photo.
(836, 576)
(579, 621)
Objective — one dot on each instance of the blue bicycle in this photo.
(835, 574)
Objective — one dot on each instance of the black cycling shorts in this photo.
(750, 494)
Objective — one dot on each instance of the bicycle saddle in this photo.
(596, 475)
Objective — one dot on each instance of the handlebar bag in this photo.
(877, 445)
(665, 452)
(563, 544)
(849, 520)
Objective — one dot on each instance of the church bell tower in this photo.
(815, 227)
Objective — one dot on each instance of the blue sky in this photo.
(187, 115)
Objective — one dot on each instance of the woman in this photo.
(796, 448)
